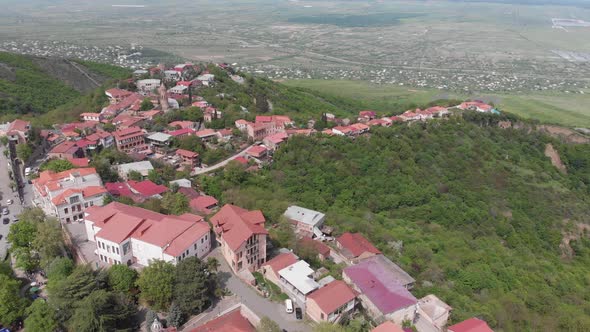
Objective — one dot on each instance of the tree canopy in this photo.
(156, 283)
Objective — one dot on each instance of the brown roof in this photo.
(281, 261)
(387, 327)
(357, 244)
(236, 225)
(320, 247)
(332, 296)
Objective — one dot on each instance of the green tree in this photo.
(122, 278)
(48, 241)
(41, 317)
(103, 311)
(34, 215)
(57, 165)
(5, 269)
(190, 143)
(134, 176)
(175, 203)
(60, 268)
(328, 327)
(65, 293)
(175, 316)
(268, 325)
(193, 286)
(22, 234)
(109, 127)
(12, 306)
(24, 152)
(146, 105)
(156, 283)
(234, 173)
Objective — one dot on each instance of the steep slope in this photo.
(476, 214)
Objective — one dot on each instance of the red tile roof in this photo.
(357, 244)
(277, 138)
(174, 234)
(181, 132)
(118, 189)
(281, 261)
(256, 151)
(186, 153)
(127, 132)
(388, 326)
(99, 134)
(320, 247)
(188, 192)
(68, 147)
(205, 133)
(470, 325)
(19, 125)
(367, 113)
(230, 322)
(50, 179)
(147, 188)
(79, 162)
(202, 202)
(86, 192)
(332, 296)
(118, 93)
(182, 124)
(241, 160)
(236, 225)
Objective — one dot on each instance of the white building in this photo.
(134, 236)
(66, 195)
(296, 280)
(206, 79)
(142, 167)
(148, 85)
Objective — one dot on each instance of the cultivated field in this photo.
(559, 108)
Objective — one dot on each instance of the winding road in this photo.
(223, 163)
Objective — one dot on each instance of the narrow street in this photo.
(260, 305)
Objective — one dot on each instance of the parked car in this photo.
(15, 219)
(5, 221)
(5, 211)
(9, 202)
(298, 313)
(289, 306)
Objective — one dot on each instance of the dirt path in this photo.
(555, 159)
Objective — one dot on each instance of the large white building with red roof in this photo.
(66, 195)
(134, 236)
(242, 237)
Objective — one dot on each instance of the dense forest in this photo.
(478, 215)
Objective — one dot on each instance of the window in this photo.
(74, 199)
(85, 205)
(322, 316)
(117, 250)
(202, 240)
(109, 249)
(206, 236)
(91, 203)
(66, 210)
(195, 246)
(67, 219)
(75, 218)
(81, 216)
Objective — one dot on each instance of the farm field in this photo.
(559, 108)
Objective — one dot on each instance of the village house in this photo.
(242, 125)
(127, 103)
(160, 142)
(182, 125)
(241, 236)
(258, 131)
(225, 135)
(146, 86)
(211, 113)
(331, 302)
(238, 319)
(66, 150)
(206, 135)
(102, 138)
(271, 268)
(150, 115)
(180, 133)
(206, 79)
(477, 106)
(433, 314)
(130, 139)
(296, 280)
(139, 192)
(307, 222)
(142, 167)
(116, 95)
(188, 158)
(366, 116)
(134, 236)
(203, 204)
(354, 246)
(257, 152)
(470, 325)
(173, 75)
(383, 289)
(322, 249)
(18, 131)
(66, 195)
(273, 142)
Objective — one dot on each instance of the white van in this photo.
(289, 306)
(27, 171)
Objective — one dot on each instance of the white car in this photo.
(289, 306)
(9, 202)
(4, 211)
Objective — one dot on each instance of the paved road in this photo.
(260, 305)
(223, 163)
(5, 194)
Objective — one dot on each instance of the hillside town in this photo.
(97, 205)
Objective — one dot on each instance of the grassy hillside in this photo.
(560, 108)
(477, 215)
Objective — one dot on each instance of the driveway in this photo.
(5, 194)
(222, 163)
(260, 305)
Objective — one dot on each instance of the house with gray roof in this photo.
(143, 167)
(307, 222)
